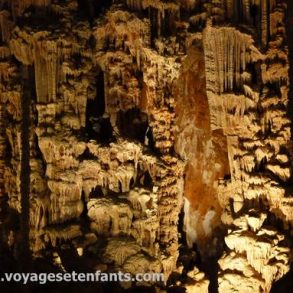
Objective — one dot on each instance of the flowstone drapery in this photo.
(148, 136)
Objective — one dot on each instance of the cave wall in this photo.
(137, 112)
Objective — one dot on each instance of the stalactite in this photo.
(41, 75)
(46, 60)
(227, 51)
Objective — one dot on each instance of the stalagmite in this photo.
(159, 138)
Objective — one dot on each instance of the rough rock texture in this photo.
(148, 136)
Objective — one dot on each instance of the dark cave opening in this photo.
(153, 16)
(100, 130)
(227, 177)
(91, 8)
(238, 13)
(150, 141)
(148, 181)
(261, 166)
(274, 89)
(285, 284)
(8, 153)
(180, 226)
(255, 73)
(168, 27)
(254, 11)
(87, 155)
(84, 219)
(98, 127)
(144, 179)
(84, 5)
(96, 192)
(133, 124)
(39, 155)
(85, 209)
(274, 221)
(39, 17)
(96, 107)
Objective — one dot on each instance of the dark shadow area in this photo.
(153, 16)
(238, 13)
(90, 9)
(8, 152)
(98, 127)
(211, 269)
(254, 70)
(39, 17)
(273, 221)
(150, 141)
(285, 284)
(101, 130)
(84, 219)
(182, 233)
(144, 179)
(86, 155)
(168, 26)
(254, 13)
(96, 106)
(96, 192)
(133, 124)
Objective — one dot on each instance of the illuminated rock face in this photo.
(134, 130)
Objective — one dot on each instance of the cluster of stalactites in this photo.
(227, 53)
(46, 71)
(253, 12)
(246, 6)
(44, 54)
(162, 14)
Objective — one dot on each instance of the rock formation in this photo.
(148, 136)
